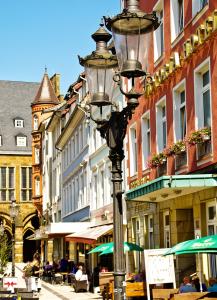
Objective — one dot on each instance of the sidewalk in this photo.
(54, 291)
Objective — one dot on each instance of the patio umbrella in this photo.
(207, 244)
(100, 248)
(127, 247)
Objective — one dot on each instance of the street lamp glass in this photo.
(131, 32)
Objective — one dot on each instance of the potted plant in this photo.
(177, 148)
(206, 133)
(199, 136)
(157, 160)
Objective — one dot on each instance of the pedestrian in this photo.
(186, 286)
(196, 283)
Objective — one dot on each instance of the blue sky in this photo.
(39, 33)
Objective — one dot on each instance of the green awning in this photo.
(168, 187)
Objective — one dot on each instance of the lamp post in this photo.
(14, 210)
(131, 31)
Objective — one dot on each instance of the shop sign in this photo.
(139, 182)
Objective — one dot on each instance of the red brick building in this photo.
(172, 136)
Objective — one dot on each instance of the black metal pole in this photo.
(119, 262)
(13, 248)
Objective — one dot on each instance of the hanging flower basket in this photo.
(177, 148)
(199, 136)
(157, 160)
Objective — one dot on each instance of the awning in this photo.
(90, 235)
(168, 187)
(57, 230)
(61, 229)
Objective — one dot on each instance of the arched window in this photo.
(37, 186)
(35, 122)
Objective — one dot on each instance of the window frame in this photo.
(133, 150)
(9, 191)
(28, 187)
(158, 34)
(16, 123)
(159, 128)
(146, 137)
(20, 140)
(175, 19)
(198, 88)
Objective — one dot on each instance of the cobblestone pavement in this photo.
(54, 291)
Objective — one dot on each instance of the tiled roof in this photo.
(46, 92)
(15, 103)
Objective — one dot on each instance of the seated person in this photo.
(196, 284)
(79, 275)
(186, 286)
(212, 285)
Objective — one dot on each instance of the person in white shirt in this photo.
(79, 273)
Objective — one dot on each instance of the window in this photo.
(102, 187)
(211, 230)
(35, 122)
(146, 138)
(26, 184)
(21, 141)
(136, 239)
(177, 18)
(166, 222)
(133, 151)
(96, 191)
(159, 32)
(179, 108)
(37, 186)
(19, 123)
(161, 125)
(202, 95)
(198, 5)
(0, 140)
(7, 184)
(150, 232)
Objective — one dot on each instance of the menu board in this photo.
(159, 269)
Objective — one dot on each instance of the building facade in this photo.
(171, 137)
(16, 164)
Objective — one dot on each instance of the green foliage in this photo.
(5, 250)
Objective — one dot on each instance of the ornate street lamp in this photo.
(131, 31)
(14, 210)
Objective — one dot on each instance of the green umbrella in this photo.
(101, 248)
(127, 247)
(207, 244)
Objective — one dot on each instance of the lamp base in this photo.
(132, 68)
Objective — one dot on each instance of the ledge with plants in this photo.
(199, 136)
(176, 148)
(157, 160)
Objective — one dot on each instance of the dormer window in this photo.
(19, 123)
(21, 141)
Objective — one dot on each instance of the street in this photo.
(53, 291)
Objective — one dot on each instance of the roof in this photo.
(15, 103)
(46, 94)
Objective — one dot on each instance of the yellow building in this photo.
(16, 164)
